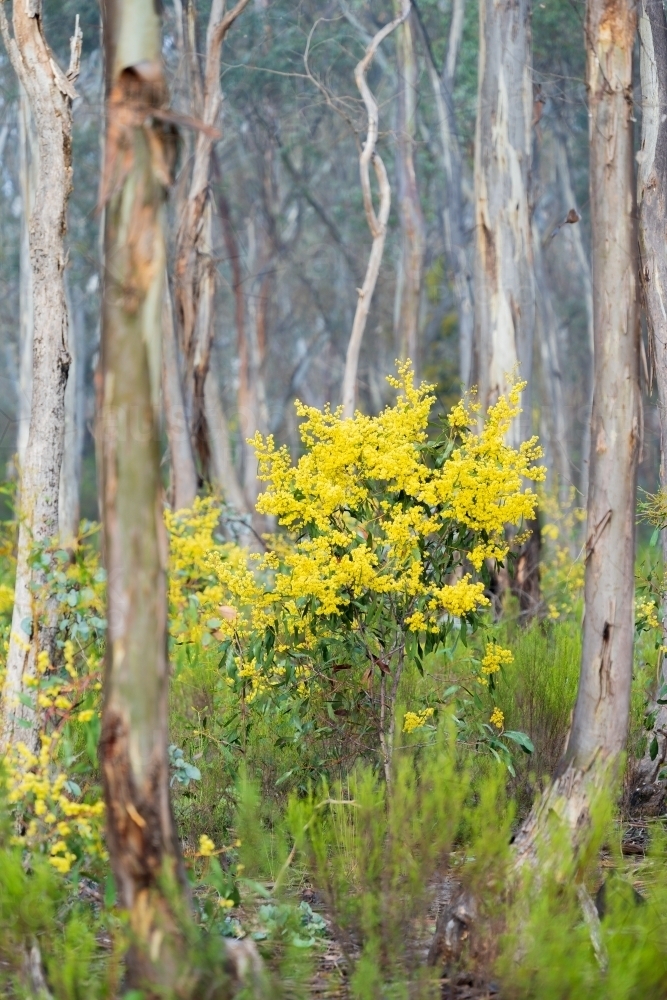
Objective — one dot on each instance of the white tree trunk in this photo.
(182, 462)
(50, 93)
(600, 721)
(569, 202)
(553, 402)
(28, 154)
(504, 282)
(70, 470)
(652, 197)
(223, 473)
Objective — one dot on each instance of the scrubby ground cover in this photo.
(352, 735)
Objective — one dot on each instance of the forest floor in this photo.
(330, 981)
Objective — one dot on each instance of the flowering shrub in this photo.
(54, 788)
(384, 556)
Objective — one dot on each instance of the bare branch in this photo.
(376, 223)
(368, 151)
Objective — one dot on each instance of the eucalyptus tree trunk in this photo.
(504, 282)
(139, 160)
(411, 261)
(652, 196)
(584, 265)
(28, 156)
(251, 333)
(184, 479)
(454, 201)
(70, 470)
(600, 721)
(49, 95)
(552, 377)
(195, 269)
(223, 473)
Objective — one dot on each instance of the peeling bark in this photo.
(504, 283)
(184, 479)
(141, 836)
(652, 197)
(49, 94)
(600, 720)
(194, 268)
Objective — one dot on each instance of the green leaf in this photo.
(26, 700)
(654, 538)
(653, 749)
(523, 740)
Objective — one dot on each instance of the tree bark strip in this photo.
(194, 268)
(49, 95)
(139, 160)
(600, 721)
(569, 202)
(504, 282)
(652, 197)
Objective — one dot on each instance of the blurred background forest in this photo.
(290, 240)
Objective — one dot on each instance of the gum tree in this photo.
(504, 282)
(600, 722)
(140, 153)
(49, 93)
(652, 197)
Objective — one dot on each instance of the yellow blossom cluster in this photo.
(646, 613)
(363, 504)
(36, 782)
(415, 720)
(54, 821)
(497, 718)
(494, 657)
(194, 591)
(6, 599)
(206, 846)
